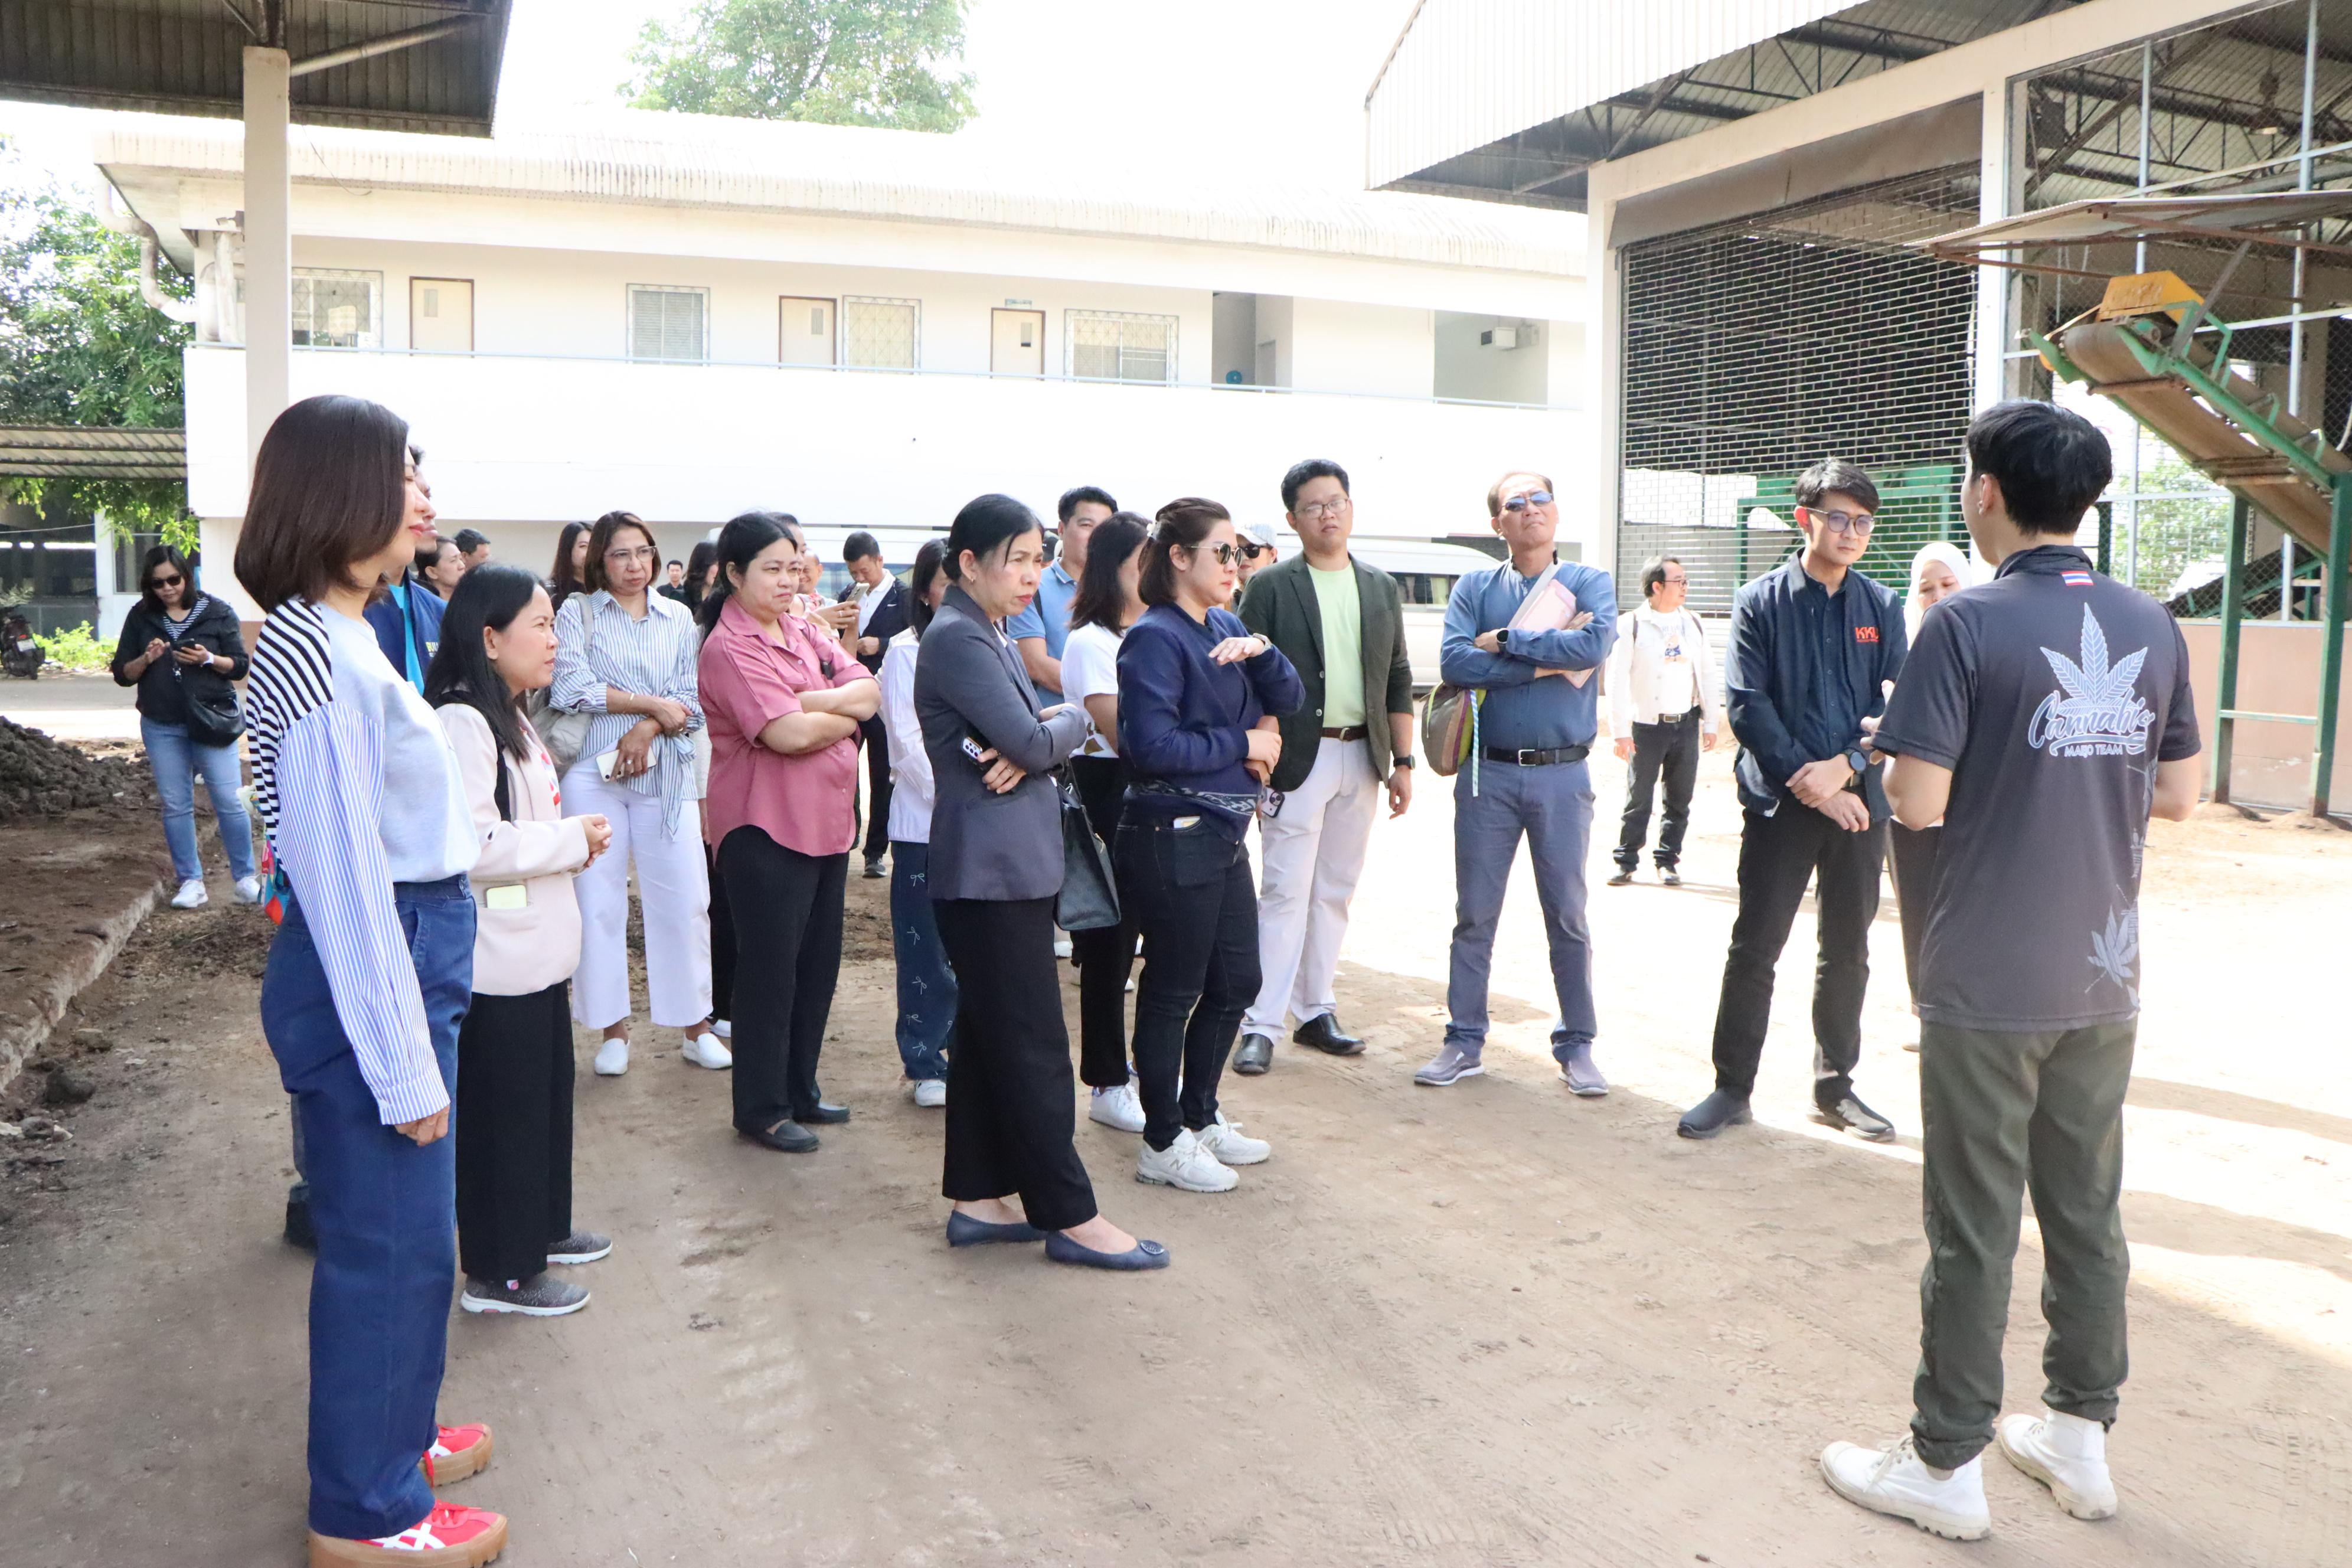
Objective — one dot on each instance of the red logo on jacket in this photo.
(1866, 634)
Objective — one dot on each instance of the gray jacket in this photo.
(968, 683)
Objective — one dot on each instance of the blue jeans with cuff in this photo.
(927, 986)
(176, 759)
(1551, 806)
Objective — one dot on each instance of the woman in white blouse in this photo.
(927, 986)
(627, 655)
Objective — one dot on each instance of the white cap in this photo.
(1256, 532)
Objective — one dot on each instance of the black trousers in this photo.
(1191, 891)
(1104, 957)
(512, 1125)
(788, 909)
(878, 788)
(1777, 855)
(722, 941)
(1011, 1116)
(1912, 858)
(1669, 751)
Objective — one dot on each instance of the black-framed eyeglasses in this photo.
(1673, 582)
(1533, 497)
(1845, 521)
(173, 581)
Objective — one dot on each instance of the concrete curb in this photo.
(19, 1042)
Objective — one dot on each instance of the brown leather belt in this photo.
(1352, 732)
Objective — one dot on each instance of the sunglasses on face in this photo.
(1255, 551)
(173, 581)
(1533, 497)
(1846, 521)
(1226, 553)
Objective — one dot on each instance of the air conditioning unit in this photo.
(1499, 338)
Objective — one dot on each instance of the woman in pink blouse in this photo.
(783, 703)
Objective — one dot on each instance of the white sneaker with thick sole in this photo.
(1186, 1165)
(1117, 1107)
(1895, 1480)
(613, 1058)
(930, 1093)
(723, 1028)
(192, 895)
(704, 1051)
(2065, 1453)
(1061, 947)
(248, 890)
(1223, 1139)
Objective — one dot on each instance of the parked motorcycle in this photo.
(20, 656)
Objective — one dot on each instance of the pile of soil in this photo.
(41, 777)
(231, 940)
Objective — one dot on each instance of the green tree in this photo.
(79, 346)
(836, 62)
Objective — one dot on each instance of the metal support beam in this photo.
(2225, 695)
(391, 43)
(2331, 645)
(269, 246)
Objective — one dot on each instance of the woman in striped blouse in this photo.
(368, 978)
(627, 655)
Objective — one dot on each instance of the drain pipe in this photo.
(150, 287)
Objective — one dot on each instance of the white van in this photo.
(1425, 574)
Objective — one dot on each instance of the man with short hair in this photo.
(1341, 624)
(473, 545)
(2042, 719)
(1812, 645)
(674, 583)
(1538, 714)
(1661, 713)
(1039, 631)
(881, 603)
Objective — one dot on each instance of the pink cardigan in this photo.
(519, 951)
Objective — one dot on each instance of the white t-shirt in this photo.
(1090, 669)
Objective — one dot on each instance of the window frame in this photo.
(1073, 315)
(629, 324)
(374, 281)
(915, 343)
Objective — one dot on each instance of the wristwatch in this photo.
(1857, 761)
(1402, 760)
(1502, 637)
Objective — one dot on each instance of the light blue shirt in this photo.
(1520, 710)
(1047, 617)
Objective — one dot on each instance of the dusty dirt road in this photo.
(1487, 1325)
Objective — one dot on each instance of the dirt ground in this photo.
(1487, 1325)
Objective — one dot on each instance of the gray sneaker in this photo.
(541, 1296)
(1577, 1071)
(1450, 1065)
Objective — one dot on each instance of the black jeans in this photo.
(1190, 890)
(1669, 750)
(512, 1124)
(1777, 855)
(722, 941)
(1011, 1120)
(788, 910)
(878, 788)
(1912, 858)
(1104, 957)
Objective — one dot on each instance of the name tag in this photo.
(506, 896)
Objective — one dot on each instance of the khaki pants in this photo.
(2003, 1113)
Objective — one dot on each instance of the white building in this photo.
(687, 317)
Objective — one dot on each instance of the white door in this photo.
(1017, 344)
(441, 315)
(805, 333)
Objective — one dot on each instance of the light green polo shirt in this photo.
(1343, 646)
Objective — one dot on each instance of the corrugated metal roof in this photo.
(78, 452)
(679, 160)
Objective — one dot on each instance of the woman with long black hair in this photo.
(1198, 692)
(514, 1051)
(569, 574)
(995, 871)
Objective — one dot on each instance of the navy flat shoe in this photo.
(1142, 1255)
(965, 1231)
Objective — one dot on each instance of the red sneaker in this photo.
(448, 1537)
(456, 1452)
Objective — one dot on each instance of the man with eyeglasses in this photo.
(1538, 710)
(1662, 713)
(1813, 647)
(1039, 631)
(1341, 624)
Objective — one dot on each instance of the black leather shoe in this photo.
(1851, 1115)
(1710, 1116)
(784, 1138)
(825, 1115)
(1323, 1032)
(1253, 1055)
(298, 1223)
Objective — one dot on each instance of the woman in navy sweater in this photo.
(1198, 695)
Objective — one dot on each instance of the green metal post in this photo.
(2331, 632)
(2233, 614)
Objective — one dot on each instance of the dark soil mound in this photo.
(41, 777)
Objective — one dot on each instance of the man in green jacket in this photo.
(1341, 624)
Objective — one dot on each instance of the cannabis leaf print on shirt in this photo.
(2115, 952)
(2098, 710)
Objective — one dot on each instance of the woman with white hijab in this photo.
(1937, 571)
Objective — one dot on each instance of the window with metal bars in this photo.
(1109, 345)
(881, 334)
(668, 323)
(1752, 349)
(335, 309)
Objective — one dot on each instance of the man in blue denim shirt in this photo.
(1813, 646)
(1538, 713)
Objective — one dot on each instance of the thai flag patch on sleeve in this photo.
(2075, 579)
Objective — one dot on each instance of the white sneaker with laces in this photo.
(723, 1028)
(192, 895)
(1061, 947)
(1117, 1107)
(2065, 1453)
(613, 1058)
(248, 890)
(1185, 1166)
(1223, 1139)
(930, 1093)
(704, 1051)
(1895, 1480)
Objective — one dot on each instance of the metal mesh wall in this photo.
(1755, 348)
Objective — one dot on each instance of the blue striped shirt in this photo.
(656, 657)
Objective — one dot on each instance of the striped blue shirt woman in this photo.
(653, 657)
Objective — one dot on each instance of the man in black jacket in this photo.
(881, 616)
(1341, 624)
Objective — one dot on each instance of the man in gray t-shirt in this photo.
(2042, 718)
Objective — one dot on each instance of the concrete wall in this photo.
(1343, 347)
(1233, 342)
(2278, 672)
(1466, 368)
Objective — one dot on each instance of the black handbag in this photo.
(210, 698)
(1090, 898)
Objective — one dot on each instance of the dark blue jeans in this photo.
(927, 986)
(385, 1214)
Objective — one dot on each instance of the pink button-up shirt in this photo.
(746, 679)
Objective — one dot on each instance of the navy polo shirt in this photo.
(1805, 667)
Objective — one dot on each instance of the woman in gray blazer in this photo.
(995, 871)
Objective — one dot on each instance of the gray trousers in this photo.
(2001, 1113)
(1552, 807)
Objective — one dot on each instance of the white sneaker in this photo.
(705, 1051)
(2065, 1453)
(248, 890)
(1223, 1139)
(930, 1093)
(1118, 1108)
(192, 895)
(723, 1028)
(1061, 947)
(1893, 1481)
(613, 1058)
(1184, 1165)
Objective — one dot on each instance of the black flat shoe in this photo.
(963, 1230)
(1710, 1116)
(825, 1115)
(1253, 1055)
(784, 1138)
(1323, 1032)
(1851, 1115)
